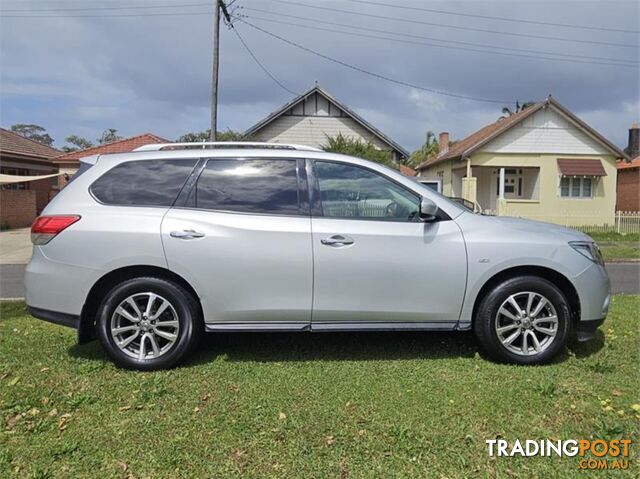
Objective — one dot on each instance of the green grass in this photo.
(618, 247)
(308, 405)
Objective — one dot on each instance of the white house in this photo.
(315, 115)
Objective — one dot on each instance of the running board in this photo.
(269, 327)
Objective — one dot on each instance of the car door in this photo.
(242, 238)
(375, 261)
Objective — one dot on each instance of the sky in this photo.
(150, 71)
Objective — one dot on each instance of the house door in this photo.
(512, 183)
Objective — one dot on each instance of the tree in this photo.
(109, 135)
(427, 150)
(33, 132)
(507, 112)
(77, 142)
(357, 147)
(198, 136)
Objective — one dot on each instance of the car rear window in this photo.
(249, 186)
(143, 183)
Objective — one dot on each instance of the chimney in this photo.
(443, 142)
(633, 149)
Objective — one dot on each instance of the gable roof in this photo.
(357, 118)
(119, 146)
(13, 143)
(484, 135)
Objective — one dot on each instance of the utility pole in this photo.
(219, 4)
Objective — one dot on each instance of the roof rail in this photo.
(223, 144)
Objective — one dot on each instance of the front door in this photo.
(374, 260)
(243, 241)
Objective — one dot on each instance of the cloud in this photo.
(137, 74)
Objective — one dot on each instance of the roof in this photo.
(580, 167)
(357, 118)
(484, 135)
(628, 165)
(119, 146)
(13, 143)
(407, 170)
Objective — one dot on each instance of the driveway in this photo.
(15, 246)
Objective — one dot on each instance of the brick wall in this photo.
(17, 208)
(628, 192)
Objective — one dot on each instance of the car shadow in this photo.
(348, 346)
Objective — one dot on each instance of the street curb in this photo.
(2, 300)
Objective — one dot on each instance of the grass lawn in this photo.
(309, 405)
(619, 247)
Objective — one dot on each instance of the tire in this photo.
(532, 338)
(164, 337)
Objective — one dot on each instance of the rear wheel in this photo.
(148, 323)
(523, 320)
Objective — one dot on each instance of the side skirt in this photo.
(331, 327)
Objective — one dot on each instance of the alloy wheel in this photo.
(145, 326)
(526, 323)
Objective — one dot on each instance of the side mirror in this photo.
(428, 209)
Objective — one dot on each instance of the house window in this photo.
(575, 187)
(15, 172)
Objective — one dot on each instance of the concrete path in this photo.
(15, 246)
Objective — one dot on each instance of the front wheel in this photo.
(148, 323)
(524, 320)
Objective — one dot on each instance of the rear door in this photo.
(374, 260)
(242, 238)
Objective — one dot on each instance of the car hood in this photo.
(532, 228)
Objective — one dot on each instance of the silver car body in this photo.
(270, 272)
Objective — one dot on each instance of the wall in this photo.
(628, 190)
(550, 204)
(17, 208)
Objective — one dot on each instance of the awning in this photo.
(8, 179)
(579, 167)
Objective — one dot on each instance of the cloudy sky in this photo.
(149, 69)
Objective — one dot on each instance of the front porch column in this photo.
(502, 203)
(469, 185)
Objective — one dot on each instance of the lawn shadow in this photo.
(587, 348)
(348, 346)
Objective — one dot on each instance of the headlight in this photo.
(589, 250)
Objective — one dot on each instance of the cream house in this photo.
(315, 115)
(542, 163)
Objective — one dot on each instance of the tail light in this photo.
(45, 228)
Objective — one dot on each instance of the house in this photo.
(542, 163)
(68, 163)
(22, 201)
(315, 115)
(628, 192)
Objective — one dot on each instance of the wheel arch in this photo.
(86, 330)
(558, 279)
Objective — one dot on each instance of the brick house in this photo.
(68, 163)
(21, 202)
(628, 187)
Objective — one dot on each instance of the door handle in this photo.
(337, 240)
(186, 234)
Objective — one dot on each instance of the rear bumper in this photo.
(586, 330)
(63, 319)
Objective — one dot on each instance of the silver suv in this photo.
(148, 250)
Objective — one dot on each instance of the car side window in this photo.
(143, 182)
(350, 191)
(268, 186)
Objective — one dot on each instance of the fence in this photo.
(623, 222)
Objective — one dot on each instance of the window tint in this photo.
(143, 183)
(249, 186)
(348, 191)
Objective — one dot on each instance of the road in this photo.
(625, 278)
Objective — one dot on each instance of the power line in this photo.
(489, 17)
(457, 27)
(370, 73)
(264, 69)
(420, 37)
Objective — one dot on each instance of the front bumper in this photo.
(586, 330)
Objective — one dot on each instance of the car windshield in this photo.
(457, 202)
